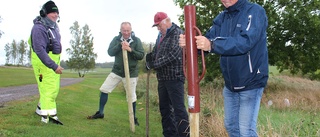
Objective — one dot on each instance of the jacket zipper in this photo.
(250, 64)
(249, 22)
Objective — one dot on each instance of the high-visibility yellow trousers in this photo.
(48, 84)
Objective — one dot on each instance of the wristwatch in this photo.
(211, 43)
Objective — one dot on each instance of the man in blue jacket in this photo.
(238, 35)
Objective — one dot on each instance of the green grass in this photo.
(289, 122)
(74, 104)
(16, 76)
(12, 76)
(273, 70)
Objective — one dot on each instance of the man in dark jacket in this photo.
(126, 40)
(166, 59)
(239, 36)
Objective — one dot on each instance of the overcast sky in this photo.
(103, 17)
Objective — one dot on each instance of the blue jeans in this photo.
(241, 112)
(174, 115)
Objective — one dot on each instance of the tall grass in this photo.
(300, 119)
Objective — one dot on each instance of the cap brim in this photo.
(156, 24)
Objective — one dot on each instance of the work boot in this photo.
(136, 121)
(96, 116)
(134, 113)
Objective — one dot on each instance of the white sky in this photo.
(103, 17)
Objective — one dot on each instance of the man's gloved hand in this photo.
(149, 57)
(149, 65)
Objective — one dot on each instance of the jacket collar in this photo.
(169, 30)
(45, 21)
(237, 6)
(132, 36)
(129, 40)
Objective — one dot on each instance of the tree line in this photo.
(17, 53)
(81, 59)
(0, 30)
(293, 41)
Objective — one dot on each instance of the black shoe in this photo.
(96, 116)
(55, 120)
(136, 121)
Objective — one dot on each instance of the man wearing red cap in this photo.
(166, 60)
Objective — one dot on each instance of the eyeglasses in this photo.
(124, 31)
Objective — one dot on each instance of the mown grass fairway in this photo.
(75, 102)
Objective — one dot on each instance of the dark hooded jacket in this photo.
(137, 53)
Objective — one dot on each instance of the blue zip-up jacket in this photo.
(239, 35)
(40, 40)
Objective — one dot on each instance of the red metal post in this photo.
(190, 63)
(191, 59)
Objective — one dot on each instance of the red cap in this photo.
(159, 17)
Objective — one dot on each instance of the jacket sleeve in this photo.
(251, 31)
(138, 51)
(114, 47)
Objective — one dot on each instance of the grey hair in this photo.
(164, 21)
(123, 23)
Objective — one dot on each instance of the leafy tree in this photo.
(14, 51)
(1, 32)
(90, 56)
(8, 52)
(82, 56)
(293, 43)
(22, 49)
